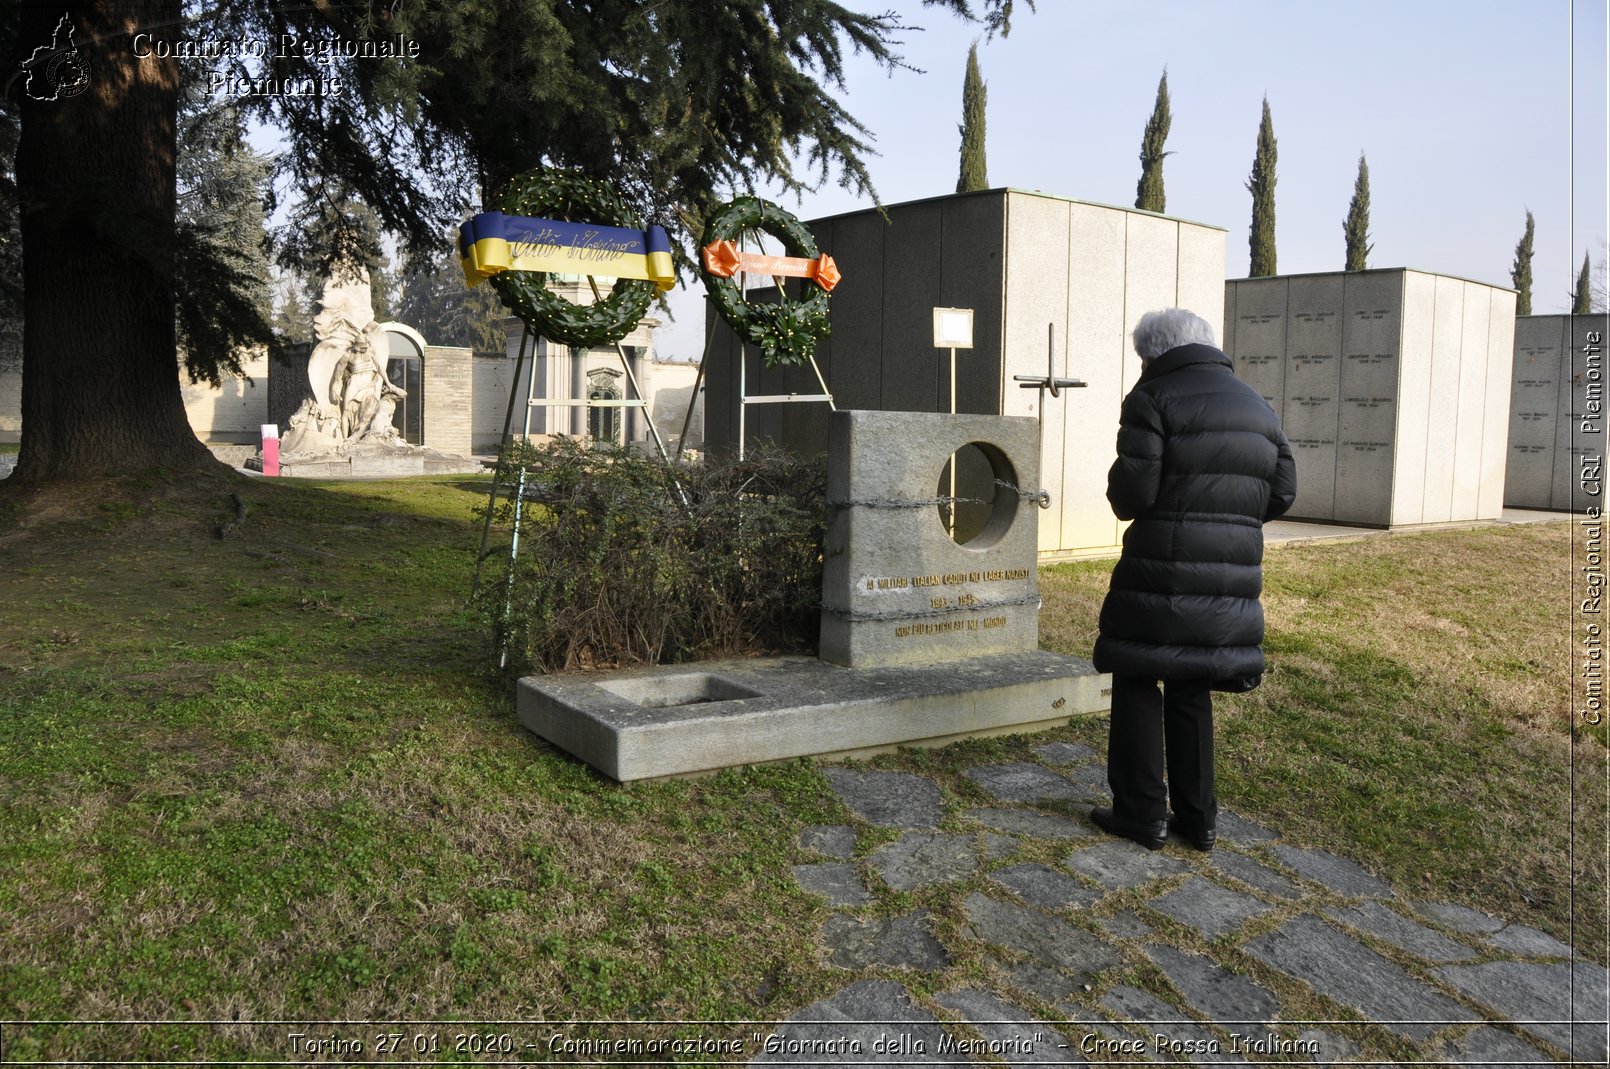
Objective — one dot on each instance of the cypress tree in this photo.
(1262, 186)
(1149, 192)
(974, 94)
(1520, 274)
(1357, 224)
(1582, 298)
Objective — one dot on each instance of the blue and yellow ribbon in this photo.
(492, 242)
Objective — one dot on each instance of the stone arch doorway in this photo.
(604, 422)
(405, 366)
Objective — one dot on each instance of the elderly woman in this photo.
(1202, 465)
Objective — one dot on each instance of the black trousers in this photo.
(1147, 724)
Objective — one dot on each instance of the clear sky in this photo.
(1470, 112)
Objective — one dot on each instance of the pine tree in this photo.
(974, 96)
(674, 107)
(1356, 227)
(1520, 273)
(1149, 193)
(221, 270)
(435, 302)
(1262, 186)
(293, 316)
(1582, 296)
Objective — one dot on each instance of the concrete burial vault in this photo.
(930, 622)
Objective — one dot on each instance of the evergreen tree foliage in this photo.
(1356, 227)
(221, 268)
(293, 315)
(1601, 275)
(974, 96)
(1262, 186)
(435, 302)
(1149, 193)
(1582, 295)
(676, 104)
(1520, 273)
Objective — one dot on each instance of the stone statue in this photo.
(353, 398)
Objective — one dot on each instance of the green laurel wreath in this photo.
(571, 197)
(786, 330)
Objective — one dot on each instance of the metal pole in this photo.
(831, 407)
(492, 497)
(743, 394)
(698, 381)
(953, 456)
(519, 508)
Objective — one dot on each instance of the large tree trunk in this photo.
(95, 178)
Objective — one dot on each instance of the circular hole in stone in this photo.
(983, 508)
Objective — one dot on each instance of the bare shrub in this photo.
(626, 560)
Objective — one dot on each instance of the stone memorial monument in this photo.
(929, 629)
(346, 427)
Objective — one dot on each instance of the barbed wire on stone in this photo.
(1042, 497)
(917, 614)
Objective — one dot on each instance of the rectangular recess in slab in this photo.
(664, 692)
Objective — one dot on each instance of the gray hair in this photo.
(1158, 332)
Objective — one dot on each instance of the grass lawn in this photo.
(273, 776)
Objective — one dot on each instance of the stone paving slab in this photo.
(1032, 823)
(1343, 969)
(1244, 832)
(1338, 874)
(1492, 1049)
(1043, 939)
(1044, 957)
(1539, 998)
(1119, 863)
(1459, 918)
(1065, 753)
(1527, 942)
(1209, 909)
(1043, 886)
(1375, 919)
(829, 840)
(1255, 874)
(895, 942)
(888, 799)
(1169, 1031)
(835, 881)
(850, 1027)
(1023, 782)
(925, 859)
(1008, 1032)
(1091, 781)
(999, 847)
(1042, 981)
(1214, 992)
(1126, 925)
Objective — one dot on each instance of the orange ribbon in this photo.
(724, 259)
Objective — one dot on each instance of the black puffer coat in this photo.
(1202, 464)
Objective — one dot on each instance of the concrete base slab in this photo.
(673, 720)
(388, 463)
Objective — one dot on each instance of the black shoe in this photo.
(1200, 838)
(1150, 834)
